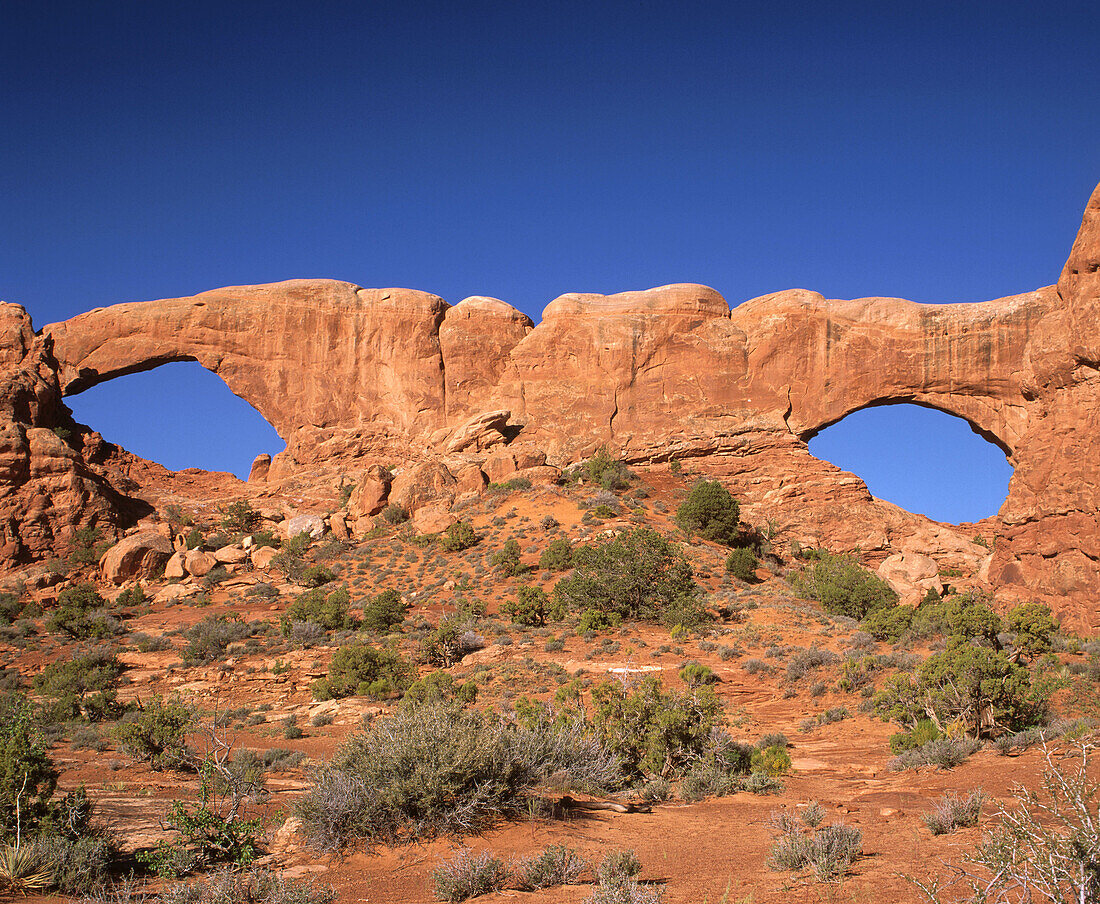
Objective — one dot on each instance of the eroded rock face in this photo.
(354, 376)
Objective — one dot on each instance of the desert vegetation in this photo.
(622, 651)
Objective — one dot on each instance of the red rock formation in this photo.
(347, 374)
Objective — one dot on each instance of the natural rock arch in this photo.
(921, 458)
(346, 374)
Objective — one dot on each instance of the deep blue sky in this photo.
(939, 152)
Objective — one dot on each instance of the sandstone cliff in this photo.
(349, 375)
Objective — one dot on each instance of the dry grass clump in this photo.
(828, 850)
(953, 812)
(437, 768)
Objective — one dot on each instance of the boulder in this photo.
(199, 563)
(338, 524)
(432, 519)
(231, 554)
(174, 570)
(314, 525)
(370, 493)
(262, 556)
(142, 555)
(543, 474)
(470, 479)
(482, 431)
(422, 483)
(911, 575)
(499, 467)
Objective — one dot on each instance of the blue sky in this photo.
(938, 152)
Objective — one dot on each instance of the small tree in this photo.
(362, 670)
(558, 556)
(27, 776)
(82, 613)
(742, 563)
(842, 586)
(329, 610)
(459, 536)
(529, 607)
(156, 732)
(656, 732)
(606, 470)
(638, 574)
(1032, 626)
(239, 517)
(507, 559)
(710, 512)
(385, 612)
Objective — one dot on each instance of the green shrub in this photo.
(843, 586)
(468, 876)
(316, 576)
(556, 865)
(27, 775)
(595, 620)
(209, 639)
(11, 607)
(131, 596)
(558, 556)
(773, 760)
(296, 545)
(710, 512)
(1032, 626)
(83, 613)
(395, 514)
(652, 730)
(439, 686)
(239, 517)
(329, 610)
(458, 537)
(507, 559)
(385, 612)
(610, 473)
(920, 734)
(156, 733)
(439, 768)
(85, 686)
(695, 674)
(529, 607)
(889, 622)
(742, 564)
(88, 546)
(204, 837)
(638, 574)
(360, 670)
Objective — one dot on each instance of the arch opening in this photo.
(920, 458)
(180, 415)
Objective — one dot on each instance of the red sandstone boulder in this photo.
(422, 483)
(142, 555)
